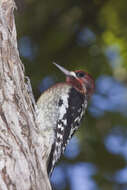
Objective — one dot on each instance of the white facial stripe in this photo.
(73, 74)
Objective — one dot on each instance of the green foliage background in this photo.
(81, 34)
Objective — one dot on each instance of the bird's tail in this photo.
(51, 162)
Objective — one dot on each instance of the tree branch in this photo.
(23, 145)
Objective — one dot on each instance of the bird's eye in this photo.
(80, 74)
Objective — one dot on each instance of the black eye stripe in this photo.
(80, 74)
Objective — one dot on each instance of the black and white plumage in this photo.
(62, 108)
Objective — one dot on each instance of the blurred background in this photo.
(92, 36)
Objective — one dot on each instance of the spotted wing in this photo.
(71, 110)
(77, 105)
(59, 133)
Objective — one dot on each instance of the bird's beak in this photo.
(65, 71)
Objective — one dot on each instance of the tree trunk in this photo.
(23, 146)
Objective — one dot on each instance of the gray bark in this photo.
(23, 146)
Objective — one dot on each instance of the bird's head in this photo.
(80, 80)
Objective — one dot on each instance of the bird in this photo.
(63, 106)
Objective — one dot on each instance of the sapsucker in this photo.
(62, 108)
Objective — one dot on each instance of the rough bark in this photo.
(23, 148)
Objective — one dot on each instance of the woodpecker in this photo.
(62, 108)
